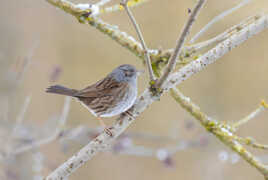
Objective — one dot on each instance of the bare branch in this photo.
(18, 122)
(52, 137)
(218, 18)
(112, 31)
(104, 140)
(221, 37)
(221, 131)
(257, 26)
(251, 142)
(173, 59)
(118, 7)
(137, 28)
(252, 115)
(102, 2)
(21, 115)
(26, 62)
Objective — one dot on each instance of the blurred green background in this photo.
(228, 90)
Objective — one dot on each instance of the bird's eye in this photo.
(128, 73)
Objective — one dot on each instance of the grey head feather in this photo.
(125, 73)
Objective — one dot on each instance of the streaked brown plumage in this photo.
(108, 97)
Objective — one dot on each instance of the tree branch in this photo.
(112, 31)
(217, 18)
(260, 24)
(125, 40)
(222, 132)
(40, 142)
(252, 115)
(103, 141)
(137, 28)
(173, 59)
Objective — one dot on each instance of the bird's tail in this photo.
(58, 89)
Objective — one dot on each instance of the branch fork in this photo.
(145, 49)
(165, 83)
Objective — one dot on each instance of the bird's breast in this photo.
(125, 100)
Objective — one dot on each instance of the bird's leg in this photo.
(107, 130)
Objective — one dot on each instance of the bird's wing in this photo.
(105, 87)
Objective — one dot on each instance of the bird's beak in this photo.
(139, 72)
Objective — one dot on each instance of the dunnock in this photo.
(110, 96)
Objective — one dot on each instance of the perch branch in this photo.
(104, 140)
(101, 142)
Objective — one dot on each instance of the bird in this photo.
(108, 97)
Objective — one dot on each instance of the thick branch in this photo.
(102, 142)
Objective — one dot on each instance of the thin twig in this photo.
(62, 121)
(21, 115)
(222, 132)
(27, 61)
(251, 142)
(50, 138)
(219, 38)
(129, 148)
(188, 52)
(102, 2)
(258, 25)
(5, 108)
(171, 150)
(118, 7)
(173, 59)
(252, 115)
(18, 122)
(217, 18)
(112, 31)
(137, 28)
